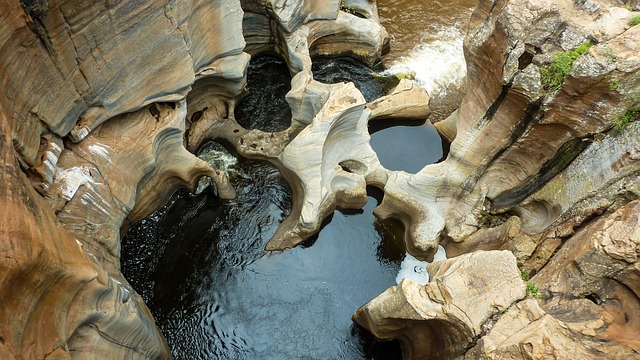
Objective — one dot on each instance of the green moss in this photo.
(553, 75)
(631, 115)
(634, 21)
(524, 274)
(614, 84)
(533, 291)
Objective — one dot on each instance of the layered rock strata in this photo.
(105, 143)
(544, 167)
(62, 284)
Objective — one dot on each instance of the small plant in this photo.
(614, 85)
(553, 75)
(533, 291)
(630, 116)
(487, 219)
(634, 21)
(524, 274)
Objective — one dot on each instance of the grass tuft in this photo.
(631, 115)
(634, 21)
(553, 75)
(533, 291)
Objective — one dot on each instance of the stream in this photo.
(198, 262)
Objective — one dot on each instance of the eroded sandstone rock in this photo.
(513, 133)
(591, 296)
(441, 319)
(406, 100)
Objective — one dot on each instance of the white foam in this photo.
(416, 270)
(219, 158)
(437, 62)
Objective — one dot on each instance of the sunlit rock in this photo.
(439, 320)
(514, 131)
(327, 165)
(407, 100)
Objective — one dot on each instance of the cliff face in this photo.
(549, 148)
(66, 69)
(101, 105)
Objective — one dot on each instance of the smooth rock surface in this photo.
(439, 320)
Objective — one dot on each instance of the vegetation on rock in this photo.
(533, 291)
(553, 75)
(630, 116)
(634, 21)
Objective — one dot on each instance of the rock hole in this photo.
(353, 167)
(626, 318)
(594, 298)
(154, 111)
(196, 116)
(376, 193)
(235, 131)
(524, 60)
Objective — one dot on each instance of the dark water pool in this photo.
(407, 145)
(401, 145)
(265, 108)
(199, 265)
(371, 85)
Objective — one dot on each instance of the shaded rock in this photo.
(441, 319)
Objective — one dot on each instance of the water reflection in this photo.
(407, 145)
(199, 264)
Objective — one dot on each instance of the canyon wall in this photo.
(543, 163)
(102, 106)
(98, 107)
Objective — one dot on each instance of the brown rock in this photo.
(441, 319)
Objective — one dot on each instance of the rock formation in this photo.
(441, 319)
(541, 165)
(62, 284)
(537, 167)
(105, 143)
